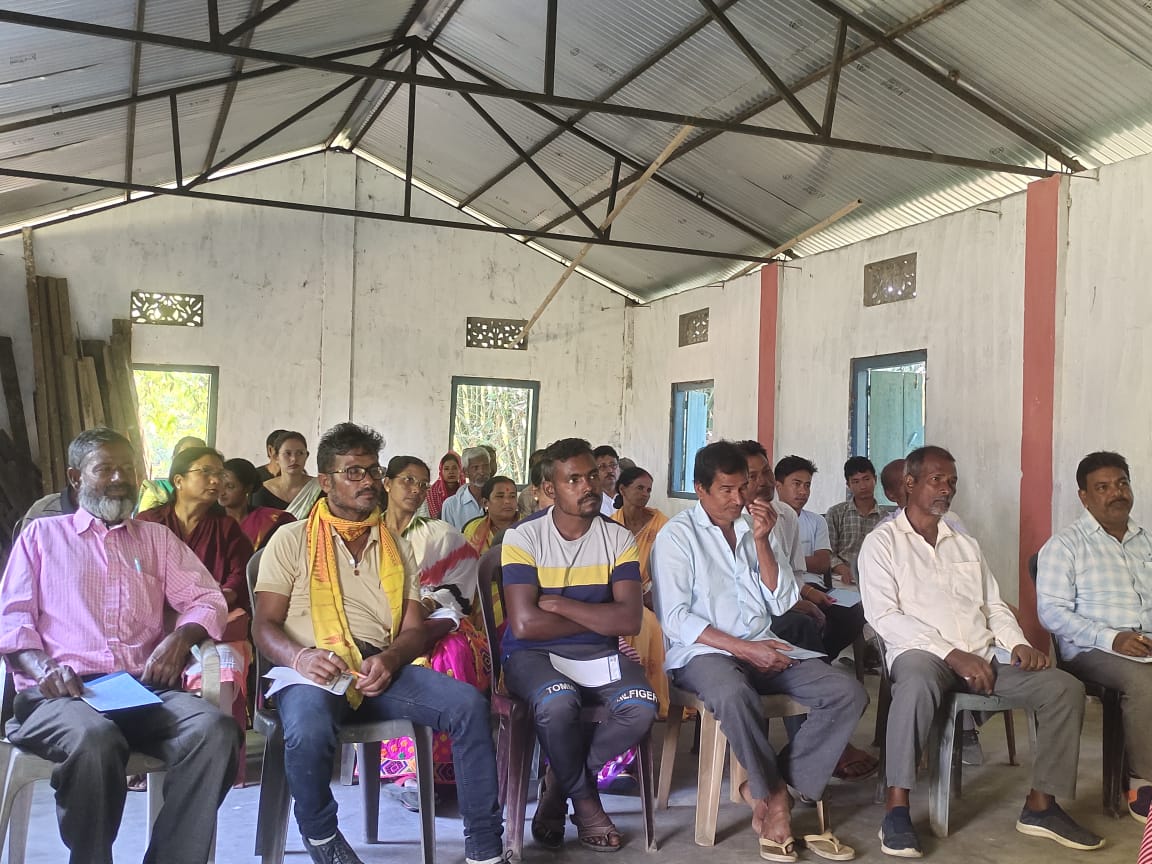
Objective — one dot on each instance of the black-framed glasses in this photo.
(356, 473)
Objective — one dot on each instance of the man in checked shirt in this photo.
(83, 595)
(1094, 593)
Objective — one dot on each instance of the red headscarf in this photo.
(438, 492)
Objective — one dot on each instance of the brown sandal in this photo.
(600, 836)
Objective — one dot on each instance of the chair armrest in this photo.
(210, 673)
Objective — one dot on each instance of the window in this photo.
(174, 401)
(887, 407)
(499, 412)
(691, 430)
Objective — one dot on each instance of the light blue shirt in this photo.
(461, 508)
(698, 581)
(1090, 586)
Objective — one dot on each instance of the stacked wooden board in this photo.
(19, 476)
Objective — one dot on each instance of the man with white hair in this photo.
(84, 595)
(465, 505)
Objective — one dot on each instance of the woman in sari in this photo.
(195, 517)
(633, 490)
(498, 498)
(242, 478)
(153, 493)
(294, 490)
(448, 572)
(446, 485)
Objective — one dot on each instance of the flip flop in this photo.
(827, 846)
(785, 852)
(871, 764)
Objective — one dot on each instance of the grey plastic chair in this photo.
(276, 801)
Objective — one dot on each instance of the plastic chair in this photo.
(713, 750)
(944, 751)
(23, 769)
(276, 800)
(1114, 755)
(516, 738)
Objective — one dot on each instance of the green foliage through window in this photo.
(174, 402)
(497, 412)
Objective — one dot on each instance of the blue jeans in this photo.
(311, 716)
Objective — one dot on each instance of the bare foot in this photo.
(759, 808)
(777, 825)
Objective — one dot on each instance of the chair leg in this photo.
(713, 746)
(368, 755)
(736, 777)
(1010, 736)
(425, 779)
(822, 816)
(521, 744)
(859, 648)
(274, 804)
(883, 704)
(958, 765)
(155, 802)
(942, 742)
(348, 765)
(668, 754)
(1113, 759)
(647, 802)
(18, 819)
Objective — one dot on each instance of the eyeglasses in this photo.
(412, 482)
(209, 473)
(356, 473)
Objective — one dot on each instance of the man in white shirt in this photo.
(608, 464)
(794, 487)
(929, 594)
(465, 505)
(1094, 594)
(717, 584)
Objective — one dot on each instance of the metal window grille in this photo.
(890, 280)
(495, 333)
(180, 310)
(694, 327)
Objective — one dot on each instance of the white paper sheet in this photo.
(588, 673)
(798, 653)
(845, 596)
(282, 676)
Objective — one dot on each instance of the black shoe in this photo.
(335, 851)
(1055, 824)
(1138, 804)
(897, 836)
(970, 751)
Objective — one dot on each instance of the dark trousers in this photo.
(196, 740)
(842, 626)
(556, 701)
(311, 718)
(731, 690)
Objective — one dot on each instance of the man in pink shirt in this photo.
(84, 595)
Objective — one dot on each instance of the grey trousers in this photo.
(732, 691)
(919, 682)
(1134, 680)
(196, 740)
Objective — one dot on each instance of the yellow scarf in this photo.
(328, 619)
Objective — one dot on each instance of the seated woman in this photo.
(448, 590)
(294, 490)
(498, 498)
(242, 478)
(633, 490)
(194, 516)
(153, 493)
(446, 485)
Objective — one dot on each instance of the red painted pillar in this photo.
(766, 393)
(1043, 233)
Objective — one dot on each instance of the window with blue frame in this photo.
(691, 429)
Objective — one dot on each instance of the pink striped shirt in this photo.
(1146, 846)
(93, 597)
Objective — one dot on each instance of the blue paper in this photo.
(117, 692)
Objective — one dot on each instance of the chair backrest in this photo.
(1033, 569)
(881, 649)
(488, 573)
(261, 664)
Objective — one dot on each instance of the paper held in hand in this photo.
(588, 673)
(118, 692)
(282, 676)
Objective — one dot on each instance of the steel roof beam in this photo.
(229, 95)
(324, 209)
(1001, 117)
(133, 89)
(834, 79)
(342, 125)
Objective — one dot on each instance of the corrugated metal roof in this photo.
(1076, 74)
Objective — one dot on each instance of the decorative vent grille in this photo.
(890, 280)
(694, 327)
(496, 333)
(180, 310)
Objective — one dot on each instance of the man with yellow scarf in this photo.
(339, 593)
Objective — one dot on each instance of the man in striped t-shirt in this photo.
(571, 589)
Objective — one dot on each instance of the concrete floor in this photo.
(982, 821)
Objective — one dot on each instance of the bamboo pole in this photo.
(676, 141)
(802, 236)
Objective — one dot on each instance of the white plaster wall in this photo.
(968, 314)
(1104, 361)
(729, 357)
(312, 317)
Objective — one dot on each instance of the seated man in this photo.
(929, 594)
(717, 583)
(84, 595)
(338, 593)
(608, 464)
(571, 589)
(794, 487)
(850, 520)
(465, 505)
(1094, 593)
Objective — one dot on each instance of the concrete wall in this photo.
(313, 319)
